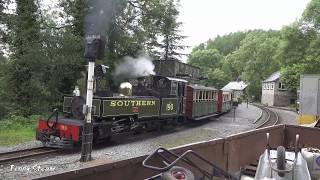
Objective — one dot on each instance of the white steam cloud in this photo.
(135, 67)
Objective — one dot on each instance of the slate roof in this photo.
(273, 77)
(235, 85)
(201, 87)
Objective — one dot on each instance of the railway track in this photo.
(26, 153)
(272, 118)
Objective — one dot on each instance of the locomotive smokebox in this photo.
(94, 48)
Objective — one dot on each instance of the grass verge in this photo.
(16, 129)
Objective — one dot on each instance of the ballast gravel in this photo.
(217, 127)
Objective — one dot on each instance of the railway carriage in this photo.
(225, 101)
(201, 102)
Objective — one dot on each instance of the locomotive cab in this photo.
(158, 86)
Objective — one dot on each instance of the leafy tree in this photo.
(46, 57)
(292, 52)
(171, 33)
(311, 14)
(228, 43)
(3, 97)
(2, 14)
(299, 47)
(216, 78)
(24, 68)
(209, 62)
(210, 58)
(3, 25)
(255, 59)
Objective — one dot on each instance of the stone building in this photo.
(275, 93)
(236, 87)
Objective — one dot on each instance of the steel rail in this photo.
(26, 153)
(272, 118)
(260, 116)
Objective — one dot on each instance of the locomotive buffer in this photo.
(95, 45)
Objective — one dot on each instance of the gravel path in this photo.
(26, 145)
(286, 117)
(219, 127)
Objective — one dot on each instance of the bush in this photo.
(13, 122)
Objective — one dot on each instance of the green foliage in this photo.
(228, 43)
(17, 129)
(2, 20)
(3, 95)
(254, 55)
(216, 77)
(14, 122)
(255, 59)
(311, 14)
(209, 60)
(237, 56)
(24, 89)
(46, 59)
(299, 47)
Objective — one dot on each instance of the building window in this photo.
(281, 85)
(272, 86)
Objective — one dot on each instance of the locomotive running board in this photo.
(205, 117)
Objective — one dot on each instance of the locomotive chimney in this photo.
(94, 49)
(95, 45)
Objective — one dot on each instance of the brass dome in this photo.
(125, 89)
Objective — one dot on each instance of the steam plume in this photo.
(99, 16)
(135, 67)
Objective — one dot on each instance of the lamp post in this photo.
(94, 49)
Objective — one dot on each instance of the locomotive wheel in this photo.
(177, 173)
(281, 160)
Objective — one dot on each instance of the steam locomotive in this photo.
(171, 97)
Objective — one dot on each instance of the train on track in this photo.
(171, 97)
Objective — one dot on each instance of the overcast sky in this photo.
(204, 19)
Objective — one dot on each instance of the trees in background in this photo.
(214, 58)
(23, 72)
(45, 58)
(254, 55)
(247, 56)
(255, 59)
(299, 48)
